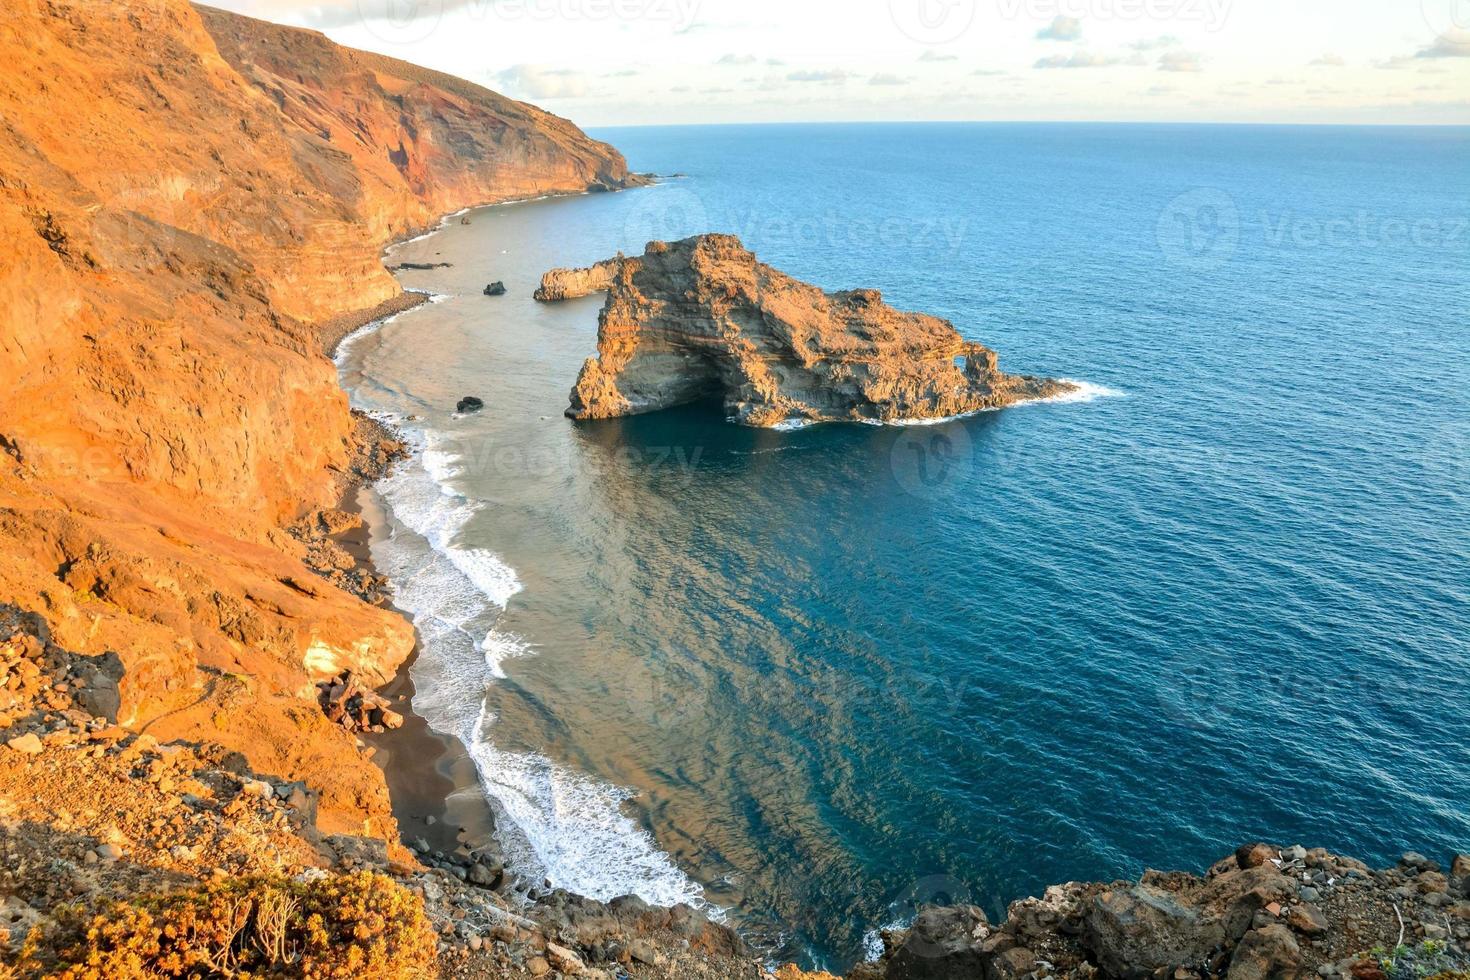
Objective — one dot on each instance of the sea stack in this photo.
(701, 319)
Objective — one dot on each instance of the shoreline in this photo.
(434, 786)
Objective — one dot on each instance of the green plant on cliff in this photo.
(1430, 960)
(360, 925)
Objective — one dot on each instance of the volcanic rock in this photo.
(469, 403)
(702, 319)
(559, 284)
(496, 288)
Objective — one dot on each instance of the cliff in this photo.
(702, 319)
(184, 195)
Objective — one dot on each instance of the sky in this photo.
(641, 62)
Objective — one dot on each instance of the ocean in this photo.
(811, 679)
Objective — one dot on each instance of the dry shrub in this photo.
(361, 925)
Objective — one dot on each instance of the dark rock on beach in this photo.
(469, 403)
(420, 266)
(496, 288)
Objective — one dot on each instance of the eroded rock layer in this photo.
(184, 195)
(702, 319)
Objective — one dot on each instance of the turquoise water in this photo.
(814, 677)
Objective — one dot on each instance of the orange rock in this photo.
(185, 193)
(702, 318)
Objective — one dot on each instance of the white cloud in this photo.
(1080, 58)
(830, 76)
(1062, 28)
(932, 55)
(1454, 44)
(538, 82)
(737, 59)
(883, 78)
(1180, 61)
(1329, 60)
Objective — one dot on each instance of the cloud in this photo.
(537, 82)
(625, 73)
(1455, 44)
(1180, 61)
(987, 72)
(835, 75)
(932, 55)
(1077, 59)
(738, 59)
(883, 78)
(1155, 43)
(1328, 60)
(1062, 28)
(1397, 63)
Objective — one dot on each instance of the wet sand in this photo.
(432, 783)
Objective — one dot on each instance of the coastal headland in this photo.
(195, 206)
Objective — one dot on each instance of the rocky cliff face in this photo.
(420, 143)
(702, 319)
(184, 194)
(560, 284)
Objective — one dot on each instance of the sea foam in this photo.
(555, 823)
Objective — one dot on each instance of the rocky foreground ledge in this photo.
(702, 320)
(122, 856)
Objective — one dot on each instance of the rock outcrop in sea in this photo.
(559, 284)
(702, 320)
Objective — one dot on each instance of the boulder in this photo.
(469, 403)
(27, 744)
(496, 288)
(1307, 919)
(1254, 855)
(1460, 866)
(1013, 964)
(942, 944)
(1138, 930)
(1266, 954)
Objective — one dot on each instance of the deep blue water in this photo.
(817, 675)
